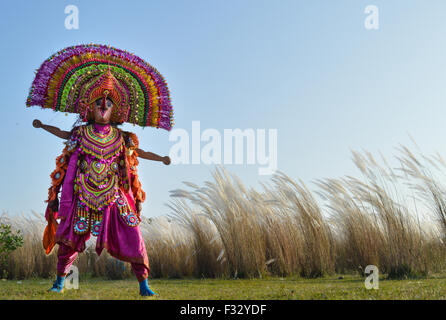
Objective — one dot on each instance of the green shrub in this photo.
(8, 243)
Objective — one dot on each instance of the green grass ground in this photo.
(350, 287)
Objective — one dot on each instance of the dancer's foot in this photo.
(144, 289)
(58, 284)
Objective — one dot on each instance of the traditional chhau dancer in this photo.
(97, 171)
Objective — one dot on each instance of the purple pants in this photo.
(66, 256)
(120, 240)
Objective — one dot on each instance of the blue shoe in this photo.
(144, 289)
(58, 284)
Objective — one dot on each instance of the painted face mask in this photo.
(104, 105)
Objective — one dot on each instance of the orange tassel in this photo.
(49, 235)
(137, 191)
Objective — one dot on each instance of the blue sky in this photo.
(306, 68)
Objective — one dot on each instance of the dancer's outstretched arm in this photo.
(152, 156)
(54, 130)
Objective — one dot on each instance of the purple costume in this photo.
(96, 200)
(97, 169)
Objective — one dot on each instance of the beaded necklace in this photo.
(97, 179)
(104, 147)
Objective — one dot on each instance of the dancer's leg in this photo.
(141, 273)
(65, 258)
(124, 242)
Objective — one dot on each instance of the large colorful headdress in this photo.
(73, 78)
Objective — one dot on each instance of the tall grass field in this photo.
(288, 240)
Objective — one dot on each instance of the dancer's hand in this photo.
(37, 123)
(166, 160)
(152, 156)
(54, 130)
(54, 205)
(138, 206)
